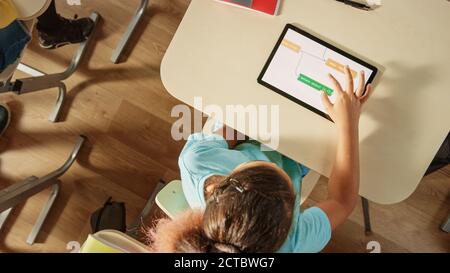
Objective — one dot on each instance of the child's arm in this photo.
(232, 136)
(343, 187)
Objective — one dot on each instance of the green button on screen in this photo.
(315, 84)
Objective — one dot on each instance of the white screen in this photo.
(300, 68)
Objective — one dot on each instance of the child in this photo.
(248, 201)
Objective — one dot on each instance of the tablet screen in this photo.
(299, 65)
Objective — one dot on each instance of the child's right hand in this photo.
(344, 180)
(346, 111)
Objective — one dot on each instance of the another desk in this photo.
(219, 51)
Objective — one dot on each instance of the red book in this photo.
(266, 6)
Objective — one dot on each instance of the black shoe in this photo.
(5, 117)
(66, 32)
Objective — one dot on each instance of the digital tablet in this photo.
(299, 65)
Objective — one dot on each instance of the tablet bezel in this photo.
(317, 40)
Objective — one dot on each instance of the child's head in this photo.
(249, 211)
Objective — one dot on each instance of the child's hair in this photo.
(249, 212)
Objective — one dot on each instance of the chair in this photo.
(171, 199)
(20, 192)
(41, 81)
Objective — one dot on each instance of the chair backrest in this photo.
(171, 199)
(112, 241)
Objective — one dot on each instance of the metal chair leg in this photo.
(133, 230)
(367, 225)
(446, 225)
(4, 216)
(62, 91)
(20, 192)
(44, 213)
(117, 54)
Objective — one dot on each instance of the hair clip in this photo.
(237, 185)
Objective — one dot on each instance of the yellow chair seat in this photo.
(112, 241)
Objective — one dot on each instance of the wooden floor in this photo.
(125, 112)
(410, 226)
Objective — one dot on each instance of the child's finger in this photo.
(337, 85)
(350, 85)
(326, 102)
(362, 84)
(366, 96)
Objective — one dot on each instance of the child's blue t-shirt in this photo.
(206, 155)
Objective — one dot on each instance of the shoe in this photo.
(5, 117)
(67, 32)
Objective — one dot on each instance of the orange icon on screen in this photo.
(292, 46)
(339, 67)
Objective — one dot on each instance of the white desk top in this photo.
(219, 51)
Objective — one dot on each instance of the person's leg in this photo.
(49, 19)
(5, 117)
(56, 31)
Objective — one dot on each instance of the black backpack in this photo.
(111, 216)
